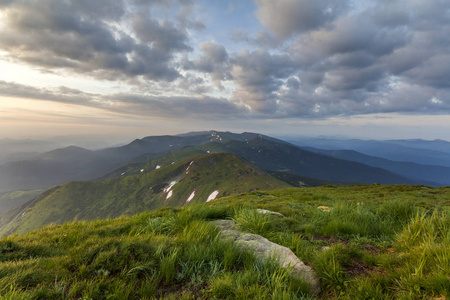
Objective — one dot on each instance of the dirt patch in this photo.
(371, 248)
(356, 268)
(441, 203)
(182, 288)
(195, 290)
(330, 240)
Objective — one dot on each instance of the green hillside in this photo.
(11, 200)
(178, 184)
(368, 242)
(151, 161)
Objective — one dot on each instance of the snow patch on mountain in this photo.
(190, 197)
(187, 169)
(212, 196)
(169, 187)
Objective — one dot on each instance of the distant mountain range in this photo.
(434, 175)
(75, 163)
(15, 150)
(177, 170)
(435, 152)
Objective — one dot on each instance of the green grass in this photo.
(375, 242)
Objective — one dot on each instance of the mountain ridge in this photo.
(194, 180)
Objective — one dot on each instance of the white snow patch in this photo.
(169, 187)
(157, 167)
(187, 169)
(142, 170)
(212, 196)
(191, 197)
(169, 194)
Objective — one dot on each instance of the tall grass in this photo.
(253, 221)
(375, 243)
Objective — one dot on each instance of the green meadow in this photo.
(367, 242)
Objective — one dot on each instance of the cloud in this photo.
(92, 38)
(61, 94)
(189, 16)
(213, 61)
(386, 57)
(286, 17)
(174, 107)
(306, 59)
(258, 76)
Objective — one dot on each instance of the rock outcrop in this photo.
(265, 249)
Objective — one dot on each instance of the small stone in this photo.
(324, 208)
(269, 212)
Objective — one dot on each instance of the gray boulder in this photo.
(265, 249)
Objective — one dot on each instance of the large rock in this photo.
(265, 249)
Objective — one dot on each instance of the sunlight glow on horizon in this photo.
(24, 118)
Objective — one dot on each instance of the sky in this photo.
(367, 69)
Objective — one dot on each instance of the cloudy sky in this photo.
(372, 69)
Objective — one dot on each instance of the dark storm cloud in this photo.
(86, 37)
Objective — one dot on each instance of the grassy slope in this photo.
(150, 161)
(377, 242)
(11, 200)
(226, 173)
